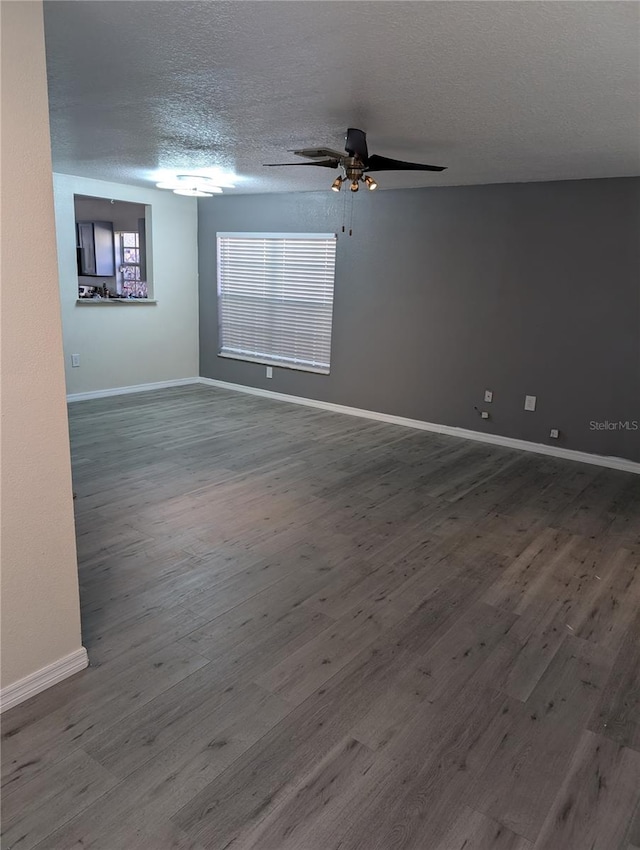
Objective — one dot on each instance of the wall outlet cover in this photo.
(484, 414)
(75, 360)
(530, 402)
(554, 433)
(269, 371)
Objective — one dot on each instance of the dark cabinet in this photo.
(96, 249)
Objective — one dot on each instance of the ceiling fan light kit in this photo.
(369, 182)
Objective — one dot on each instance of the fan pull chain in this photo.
(344, 211)
(351, 215)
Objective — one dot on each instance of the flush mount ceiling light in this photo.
(192, 185)
(196, 193)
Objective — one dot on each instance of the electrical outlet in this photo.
(75, 360)
(530, 402)
(554, 433)
(484, 414)
(488, 396)
(269, 371)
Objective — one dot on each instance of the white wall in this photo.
(40, 605)
(127, 344)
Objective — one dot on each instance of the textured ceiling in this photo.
(497, 91)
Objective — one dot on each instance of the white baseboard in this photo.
(43, 679)
(495, 439)
(137, 388)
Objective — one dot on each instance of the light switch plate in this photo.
(75, 360)
(269, 371)
(530, 402)
(488, 396)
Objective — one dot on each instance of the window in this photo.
(275, 298)
(129, 265)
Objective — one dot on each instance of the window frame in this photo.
(121, 263)
(273, 361)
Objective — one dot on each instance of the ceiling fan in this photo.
(355, 162)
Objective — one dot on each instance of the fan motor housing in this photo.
(353, 168)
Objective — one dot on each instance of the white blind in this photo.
(275, 298)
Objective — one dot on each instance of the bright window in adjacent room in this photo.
(275, 298)
(129, 275)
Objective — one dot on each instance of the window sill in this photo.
(108, 302)
(277, 364)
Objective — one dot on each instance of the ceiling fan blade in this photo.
(385, 163)
(327, 163)
(356, 144)
(318, 153)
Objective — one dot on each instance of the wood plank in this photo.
(145, 733)
(306, 669)
(475, 831)
(140, 833)
(307, 816)
(445, 747)
(616, 603)
(31, 812)
(446, 668)
(114, 693)
(531, 570)
(617, 715)
(598, 798)
(518, 785)
(232, 804)
(525, 651)
(159, 787)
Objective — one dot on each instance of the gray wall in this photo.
(440, 293)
